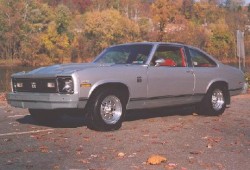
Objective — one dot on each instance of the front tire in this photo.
(214, 102)
(106, 110)
(45, 116)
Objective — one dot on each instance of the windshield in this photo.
(125, 54)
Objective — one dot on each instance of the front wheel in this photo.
(45, 116)
(106, 110)
(214, 103)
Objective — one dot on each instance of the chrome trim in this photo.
(164, 101)
(45, 100)
(111, 109)
(217, 99)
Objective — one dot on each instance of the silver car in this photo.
(128, 76)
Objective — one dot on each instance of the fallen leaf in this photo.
(121, 154)
(209, 146)
(44, 149)
(135, 167)
(171, 166)
(93, 156)
(56, 167)
(86, 138)
(156, 159)
(195, 152)
(84, 161)
(131, 156)
(191, 160)
(9, 162)
(28, 150)
(220, 166)
(7, 140)
(205, 137)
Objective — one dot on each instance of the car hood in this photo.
(57, 70)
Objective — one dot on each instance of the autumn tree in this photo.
(234, 5)
(46, 31)
(110, 27)
(205, 12)
(187, 8)
(63, 16)
(12, 20)
(56, 45)
(163, 13)
(221, 42)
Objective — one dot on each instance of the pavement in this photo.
(184, 139)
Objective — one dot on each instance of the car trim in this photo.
(165, 97)
(235, 89)
(83, 98)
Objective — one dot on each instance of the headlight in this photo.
(65, 85)
(16, 85)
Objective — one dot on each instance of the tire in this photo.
(45, 116)
(106, 110)
(214, 102)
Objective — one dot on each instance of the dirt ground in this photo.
(185, 140)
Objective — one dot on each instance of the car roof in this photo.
(151, 43)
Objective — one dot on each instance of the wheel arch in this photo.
(111, 85)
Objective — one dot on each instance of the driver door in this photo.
(170, 80)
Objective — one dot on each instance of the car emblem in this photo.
(139, 79)
(33, 85)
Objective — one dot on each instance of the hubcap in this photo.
(111, 109)
(217, 99)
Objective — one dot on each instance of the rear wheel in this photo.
(106, 110)
(45, 116)
(214, 103)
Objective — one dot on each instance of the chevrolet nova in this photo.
(128, 76)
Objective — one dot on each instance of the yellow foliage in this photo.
(109, 27)
(56, 44)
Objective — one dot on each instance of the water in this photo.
(5, 74)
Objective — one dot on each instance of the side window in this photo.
(118, 57)
(170, 56)
(200, 60)
(140, 59)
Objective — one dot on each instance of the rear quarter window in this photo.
(200, 59)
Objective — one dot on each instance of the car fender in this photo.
(215, 81)
(103, 82)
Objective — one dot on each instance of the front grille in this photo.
(34, 85)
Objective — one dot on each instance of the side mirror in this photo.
(159, 62)
(195, 63)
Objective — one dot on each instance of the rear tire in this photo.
(45, 116)
(106, 110)
(214, 102)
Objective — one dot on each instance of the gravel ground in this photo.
(187, 141)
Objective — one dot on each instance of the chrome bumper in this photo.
(236, 92)
(45, 101)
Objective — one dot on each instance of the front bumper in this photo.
(45, 100)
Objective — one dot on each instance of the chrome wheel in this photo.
(217, 99)
(111, 109)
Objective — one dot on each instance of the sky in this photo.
(247, 1)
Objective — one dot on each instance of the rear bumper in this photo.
(45, 101)
(236, 91)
